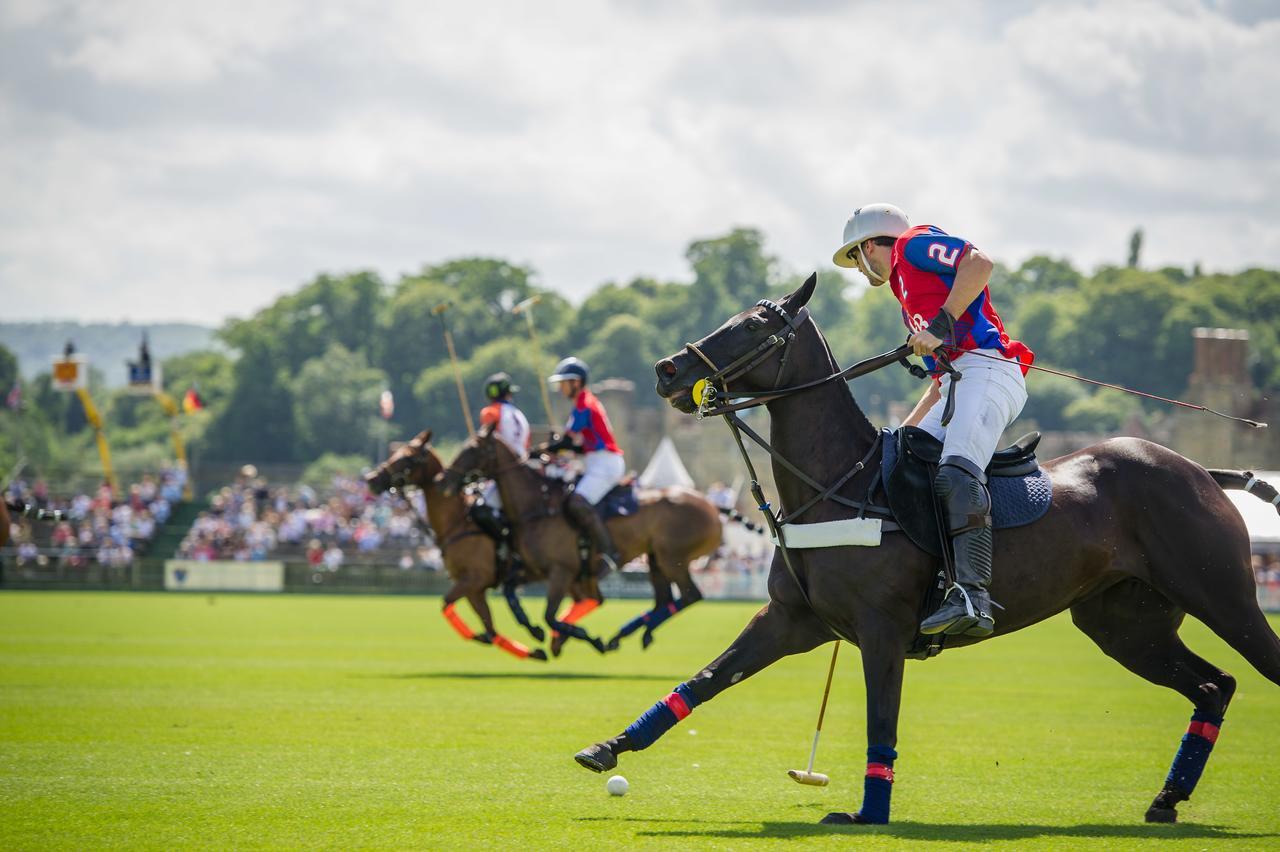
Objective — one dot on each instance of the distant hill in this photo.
(107, 345)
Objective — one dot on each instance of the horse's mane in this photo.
(862, 424)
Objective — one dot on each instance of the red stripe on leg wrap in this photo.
(879, 770)
(677, 706)
(1208, 730)
(457, 623)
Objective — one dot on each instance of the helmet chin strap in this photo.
(865, 266)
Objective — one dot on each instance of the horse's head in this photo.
(751, 351)
(414, 463)
(481, 455)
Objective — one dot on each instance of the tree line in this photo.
(303, 377)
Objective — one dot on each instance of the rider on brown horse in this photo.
(589, 432)
(511, 427)
(943, 277)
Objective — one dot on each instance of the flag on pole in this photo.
(386, 405)
(192, 401)
(14, 399)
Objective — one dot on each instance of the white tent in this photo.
(1259, 517)
(665, 468)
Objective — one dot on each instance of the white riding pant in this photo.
(989, 397)
(603, 470)
(491, 495)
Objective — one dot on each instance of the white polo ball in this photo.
(617, 785)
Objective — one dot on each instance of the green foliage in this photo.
(1048, 399)
(321, 472)
(1104, 411)
(335, 404)
(437, 390)
(8, 370)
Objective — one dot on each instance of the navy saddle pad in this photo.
(621, 500)
(1015, 500)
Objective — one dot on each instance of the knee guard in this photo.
(961, 486)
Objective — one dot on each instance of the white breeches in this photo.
(603, 470)
(989, 396)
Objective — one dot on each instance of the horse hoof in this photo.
(597, 758)
(1162, 815)
(645, 641)
(840, 818)
(599, 645)
(614, 644)
(538, 634)
(538, 654)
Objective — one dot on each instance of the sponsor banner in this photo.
(223, 576)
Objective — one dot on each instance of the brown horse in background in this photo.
(5, 522)
(470, 555)
(672, 527)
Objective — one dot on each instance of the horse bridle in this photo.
(779, 343)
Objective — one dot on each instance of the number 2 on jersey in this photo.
(939, 252)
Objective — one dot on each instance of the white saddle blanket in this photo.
(858, 532)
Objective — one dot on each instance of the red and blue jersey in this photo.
(589, 420)
(925, 260)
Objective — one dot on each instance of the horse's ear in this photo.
(799, 297)
(422, 438)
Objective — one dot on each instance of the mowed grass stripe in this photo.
(162, 721)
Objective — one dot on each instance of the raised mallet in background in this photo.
(808, 776)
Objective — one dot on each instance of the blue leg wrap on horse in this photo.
(661, 717)
(652, 618)
(1197, 743)
(877, 787)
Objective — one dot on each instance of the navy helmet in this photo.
(499, 385)
(569, 368)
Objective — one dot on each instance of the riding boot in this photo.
(489, 520)
(584, 516)
(961, 487)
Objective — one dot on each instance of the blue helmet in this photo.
(569, 368)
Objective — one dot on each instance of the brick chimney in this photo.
(1220, 356)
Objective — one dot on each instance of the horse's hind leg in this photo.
(664, 604)
(776, 631)
(1137, 627)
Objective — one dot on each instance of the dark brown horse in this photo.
(673, 527)
(5, 522)
(470, 556)
(1136, 538)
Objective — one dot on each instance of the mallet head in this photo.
(813, 779)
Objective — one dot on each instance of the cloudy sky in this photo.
(180, 160)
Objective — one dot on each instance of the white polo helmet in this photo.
(868, 221)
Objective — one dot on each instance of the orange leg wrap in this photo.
(580, 609)
(457, 623)
(511, 646)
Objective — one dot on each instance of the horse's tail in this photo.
(1244, 480)
(735, 515)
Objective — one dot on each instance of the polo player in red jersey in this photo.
(941, 283)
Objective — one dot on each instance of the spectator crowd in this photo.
(99, 528)
(250, 520)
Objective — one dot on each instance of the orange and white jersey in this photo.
(509, 424)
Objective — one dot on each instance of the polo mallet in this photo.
(808, 776)
(526, 308)
(439, 310)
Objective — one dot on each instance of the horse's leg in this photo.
(557, 586)
(517, 611)
(883, 645)
(689, 595)
(776, 631)
(476, 597)
(1137, 627)
(662, 599)
(583, 605)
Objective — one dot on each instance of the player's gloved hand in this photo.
(941, 329)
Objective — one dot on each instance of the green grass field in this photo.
(170, 721)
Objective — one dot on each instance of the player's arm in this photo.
(931, 396)
(972, 277)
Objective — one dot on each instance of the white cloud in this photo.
(193, 161)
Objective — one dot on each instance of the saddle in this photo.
(621, 500)
(1020, 490)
